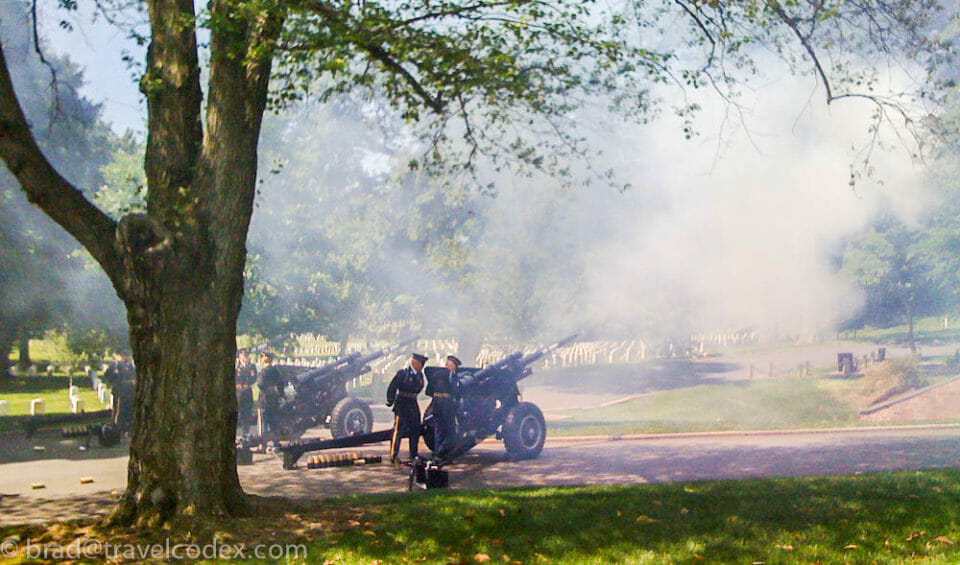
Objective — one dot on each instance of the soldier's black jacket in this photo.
(439, 381)
(404, 388)
(270, 382)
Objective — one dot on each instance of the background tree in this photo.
(888, 264)
(940, 242)
(44, 282)
(507, 71)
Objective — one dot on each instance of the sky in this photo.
(737, 224)
(99, 48)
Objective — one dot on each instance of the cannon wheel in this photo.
(350, 417)
(524, 431)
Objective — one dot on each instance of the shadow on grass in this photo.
(858, 519)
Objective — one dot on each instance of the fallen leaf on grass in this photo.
(787, 547)
(851, 546)
(644, 519)
(369, 533)
(353, 524)
(944, 540)
(502, 513)
(916, 536)
(481, 558)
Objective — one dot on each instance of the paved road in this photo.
(564, 461)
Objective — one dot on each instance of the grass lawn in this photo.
(884, 518)
(781, 403)
(53, 390)
(906, 517)
(925, 330)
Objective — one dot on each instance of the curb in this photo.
(748, 433)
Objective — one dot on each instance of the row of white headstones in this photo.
(77, 404)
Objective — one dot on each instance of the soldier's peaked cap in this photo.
(420, 358)
(454, 359)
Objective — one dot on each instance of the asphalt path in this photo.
(564, 461)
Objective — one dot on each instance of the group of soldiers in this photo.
(402, 397)
(259, 393)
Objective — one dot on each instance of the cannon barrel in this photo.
(327, 369)
(518, 363)
(354, 360)
(500, 365)
(540, 353)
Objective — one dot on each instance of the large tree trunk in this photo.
(182, 448)
(184, 284)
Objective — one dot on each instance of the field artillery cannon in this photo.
(320, 398)
(489, 404)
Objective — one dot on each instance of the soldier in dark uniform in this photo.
(269, 387)
(402, 396)
(440, 386)
(246, 377)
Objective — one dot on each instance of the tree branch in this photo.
(805, 42)
(47, 189)
(382, 55)
(172, 87)
(54, 82)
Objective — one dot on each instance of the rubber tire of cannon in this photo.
(350, 417)
(524, 431)
(108, 436)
